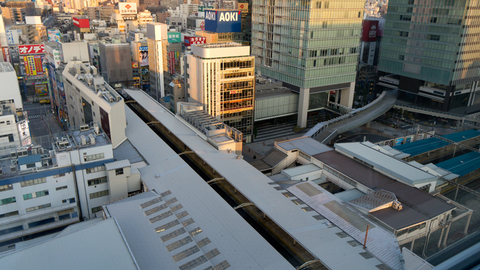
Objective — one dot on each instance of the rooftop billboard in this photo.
(223, 21)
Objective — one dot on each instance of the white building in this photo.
(9, 127)
(41, 190)
(221, 77)
(90, 99)
(157, 40)
(10, 88)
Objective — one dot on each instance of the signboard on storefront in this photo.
(174, 37)
(189, 41)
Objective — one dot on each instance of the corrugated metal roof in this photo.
(274, 157)
(315, 235)
(99, 246)
(381, 243)
(386, 163)
(127, 151)
(463, 164)
(462, 136)
(236, 241)
(419, 147)
(29, 159)
(117, 164)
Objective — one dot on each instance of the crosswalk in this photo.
(34, 116)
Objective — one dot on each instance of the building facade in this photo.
(430, 53)
(221, 77)
(115, 62)
(157, 41)
(311, 45)
(91, 99)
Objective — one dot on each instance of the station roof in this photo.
(418, 206)
(306, 227)
(188, 206)
(422, 146)
(96, 246)
(397, 168)
(463, 164)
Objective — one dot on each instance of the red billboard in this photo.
(81, 23)
(6, 54)
(369, 31)
(31, 49)
(189, 41)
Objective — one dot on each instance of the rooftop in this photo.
(301, 225)
(397, 168)
(418, 206)
(304, 144)
(97, 246)
(463, 164)
(188, 214)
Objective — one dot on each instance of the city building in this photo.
(431, 56)
(311, 46)
(157, 40)
(10, 89)
(44, 189)
(221, 77)
(91, 99)
(10, 126)
(115, 62)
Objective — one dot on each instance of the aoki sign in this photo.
(223, 21)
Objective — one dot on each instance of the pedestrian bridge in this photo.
(328, 130)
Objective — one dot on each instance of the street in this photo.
(42, 123)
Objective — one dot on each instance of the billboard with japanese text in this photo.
(223, 21)
(174, 37)
(31, 49)
(33, 65)
(143, 53)
(189, 41)
(127, 8)
(369, 31)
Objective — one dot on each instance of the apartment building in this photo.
(221, 77)
(44, 189)
(91, 99)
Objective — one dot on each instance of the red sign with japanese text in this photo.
(31, 49)
(189, 41)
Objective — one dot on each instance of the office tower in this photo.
(430, 52)
(221, 78)
(116, 62)
(157, 40)
(311, 46)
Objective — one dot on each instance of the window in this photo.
(33, 182)
(6, 187)
(119, 171)
(41, 222)
(97, 181)
(7, 201)
(99, 194)
(30, 209)
(30, 165)
(9, 214)
(60, 188)
(11, 230)
(97, 209)
(94, 157)
(96, 169)
(10, 136)
(59, 175)
(35, 194)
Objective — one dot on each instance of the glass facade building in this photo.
(307, 43)
(310, 45)
(432, 46)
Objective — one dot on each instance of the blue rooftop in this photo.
(29, 159)
(463, 164)
(462, 136)
(423, 146)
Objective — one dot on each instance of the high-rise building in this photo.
(221, 77)
(430, 52)
(115, 62)
(157, 40)
(311, 46)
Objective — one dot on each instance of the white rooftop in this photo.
(305, 145)
(192, 206)
(117, 164)
(6, 67)
(313, 234)
(385, 163)
(299, 170)
(98, 246)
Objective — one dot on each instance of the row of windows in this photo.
(8, 200)
(9, 214)
(35, 194)
(6, 187)
(94, 157)
(95, 169)
(97, 181)
(99, 194)
(38, 207)
(33, 182)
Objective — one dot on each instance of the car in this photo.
(45, 101)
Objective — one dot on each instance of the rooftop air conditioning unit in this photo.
(83, 139)
(397, 205)
(92, 139)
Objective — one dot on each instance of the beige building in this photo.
(157, 41)
(221, 77)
